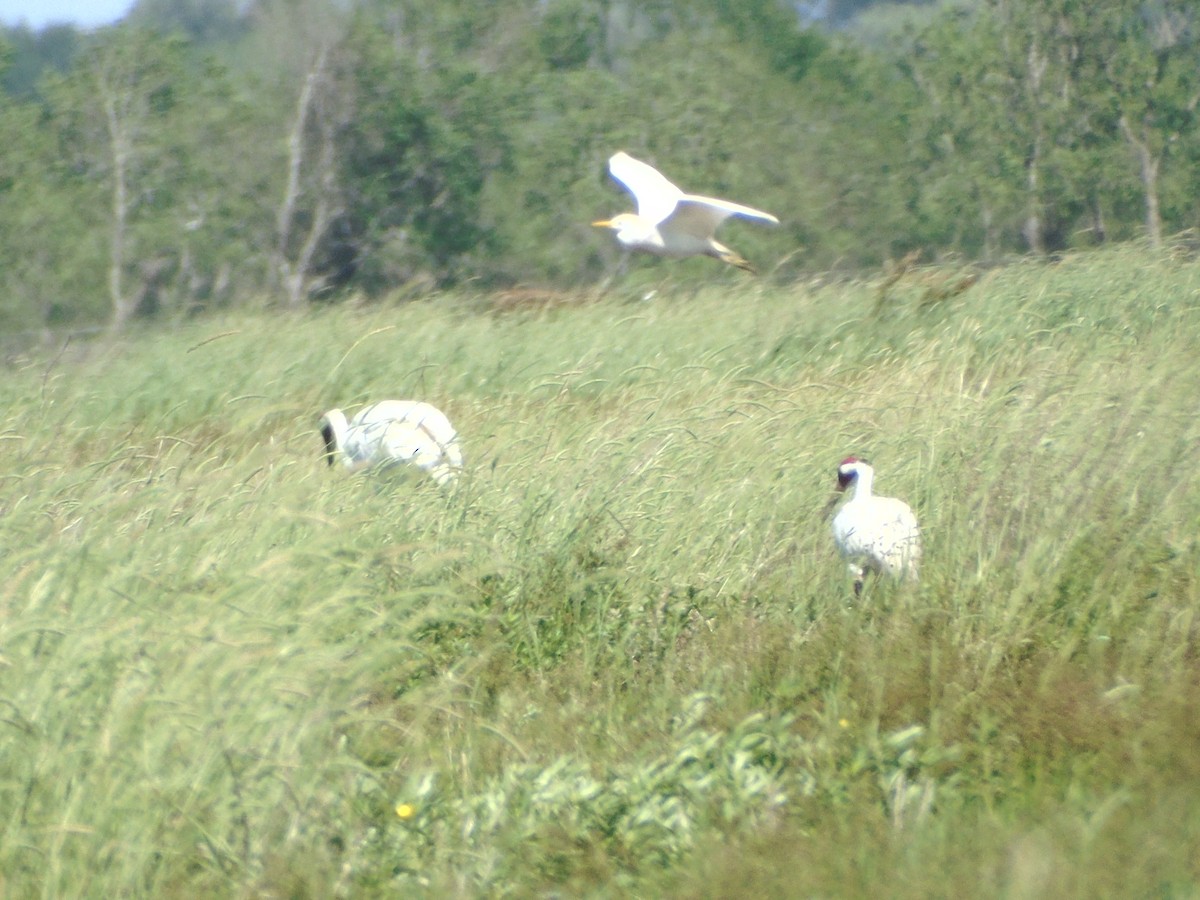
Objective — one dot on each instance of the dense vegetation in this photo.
(620, 658)
(213, 153)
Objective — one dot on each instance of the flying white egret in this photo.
(393, 432)
(876, 534)
(669, 222)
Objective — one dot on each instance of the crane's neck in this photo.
(334, 428)
(863, 483)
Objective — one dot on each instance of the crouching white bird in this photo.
(669, 222)
(876, 534)
(394, 432)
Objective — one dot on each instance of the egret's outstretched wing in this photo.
(700, 216)
(719, 210)
(656, 197)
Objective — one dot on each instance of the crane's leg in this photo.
(859, 574)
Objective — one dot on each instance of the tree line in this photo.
(211, 153)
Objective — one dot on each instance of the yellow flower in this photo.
(844, 723)
(405, 810)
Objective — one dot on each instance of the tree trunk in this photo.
(294, 274)
(1099, 228)
(1035, 70)
(1032, 229)
(1148, 166)
(991, 239)
(122, 307)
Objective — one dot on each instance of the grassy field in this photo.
(620, 658)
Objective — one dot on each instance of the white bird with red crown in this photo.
(875, 534)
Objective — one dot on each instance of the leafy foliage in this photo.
(416, 162)
(465, 144)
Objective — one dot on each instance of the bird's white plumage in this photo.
(669, 222)
(394, 432)
(655, 196)
(875, 534)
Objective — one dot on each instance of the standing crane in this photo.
(875, 534)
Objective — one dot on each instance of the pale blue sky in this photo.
(80, 13)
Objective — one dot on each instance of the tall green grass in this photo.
(620, 656)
